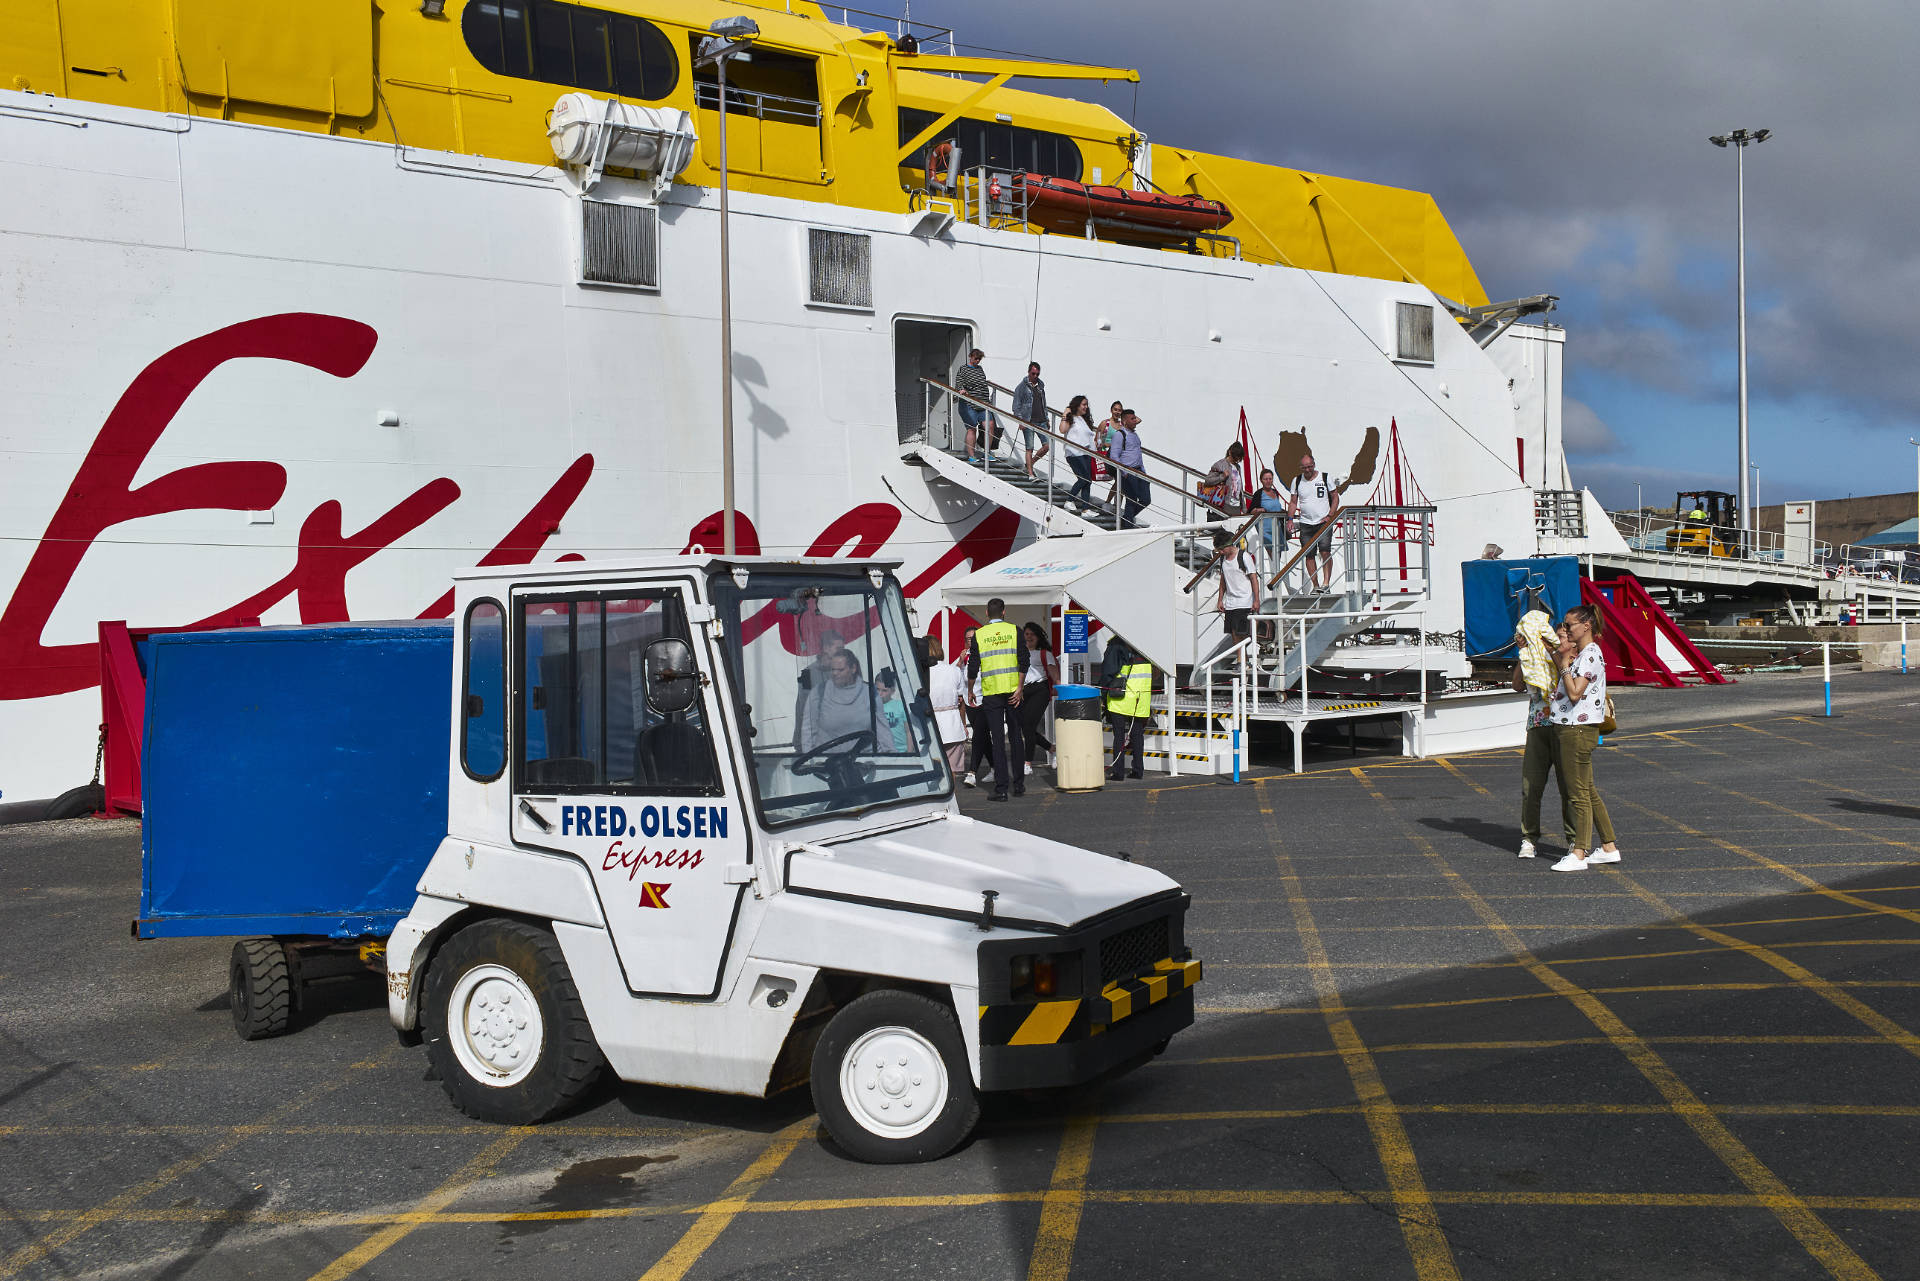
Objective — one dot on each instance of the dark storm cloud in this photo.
(1567, 146)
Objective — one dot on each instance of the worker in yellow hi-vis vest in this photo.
(998, 657)
(1128, 680)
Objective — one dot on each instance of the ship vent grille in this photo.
(619, 244)
(1413, 332)
(839, 268)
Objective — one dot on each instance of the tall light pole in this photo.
(730, 39)
(1916, 488)
(1741, 139)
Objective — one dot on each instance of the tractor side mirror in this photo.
(673, 682)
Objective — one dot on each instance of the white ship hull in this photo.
(203, 326)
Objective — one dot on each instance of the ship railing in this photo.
(779, 108)
(1678, 540)
(927, 34)
(1190, 478)
(1168, 505)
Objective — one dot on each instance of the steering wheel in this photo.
(825, 761)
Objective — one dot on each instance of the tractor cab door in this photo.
(620, 761)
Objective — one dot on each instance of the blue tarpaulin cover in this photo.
(1495, 596)
(294, 778)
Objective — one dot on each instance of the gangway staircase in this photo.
(1377, 575)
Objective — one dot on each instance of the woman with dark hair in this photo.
(1578, 706)
(1077, 426)
(1037, 688)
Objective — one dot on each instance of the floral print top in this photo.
(1590, 708)
(1536, 708)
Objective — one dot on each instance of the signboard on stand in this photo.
(1073, 631)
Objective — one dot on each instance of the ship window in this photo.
(998, 146)
(1413, 332)
(839, 268)
(572, 45)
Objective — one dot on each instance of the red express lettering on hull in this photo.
(101, 496)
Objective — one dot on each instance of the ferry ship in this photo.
(303, 307)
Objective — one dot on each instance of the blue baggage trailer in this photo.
(294, 787)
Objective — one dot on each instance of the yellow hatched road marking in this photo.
(1808, 1228)
(1800, 975)
(1419, 1227)
(112, 1209)
(1782, 869)
(1045, 1025)
(717, 1214)
(424, 1209)
(1052, 1258)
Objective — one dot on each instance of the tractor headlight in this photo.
(1043, 975)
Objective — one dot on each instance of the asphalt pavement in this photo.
(1416, 1056)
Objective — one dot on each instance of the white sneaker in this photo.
(1571, 863)
(969, 779)
(1527, 850)
(1604, 856)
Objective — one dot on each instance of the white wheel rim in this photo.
(893, 1082)
(494, 1025)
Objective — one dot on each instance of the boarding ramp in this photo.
(1376, 577)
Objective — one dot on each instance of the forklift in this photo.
(1703, 520)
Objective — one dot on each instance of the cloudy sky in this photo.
(1567, 145)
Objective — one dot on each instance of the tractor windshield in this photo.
(828, 692)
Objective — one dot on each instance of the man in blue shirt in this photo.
(1030, 407)
(1126, 452)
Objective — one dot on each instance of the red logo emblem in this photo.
(654, 895)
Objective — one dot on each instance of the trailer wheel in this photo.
(505, 1028)
(260, 982)
(890, 1079)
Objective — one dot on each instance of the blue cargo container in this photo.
(294, 778)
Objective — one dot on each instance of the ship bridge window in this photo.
(1000, 147)
(572, 45)
(764, 83)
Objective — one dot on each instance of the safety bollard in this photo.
(1236, 756)
(1903, 647)
(1826, 666)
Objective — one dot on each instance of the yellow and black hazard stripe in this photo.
(1033, 1023)
(1125, 997)
(1054, 1022)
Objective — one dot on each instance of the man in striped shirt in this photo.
(972, 381)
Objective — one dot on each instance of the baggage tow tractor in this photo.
(700, 833)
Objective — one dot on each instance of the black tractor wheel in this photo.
(891, 1081)
(506, 1030)
(260, 981)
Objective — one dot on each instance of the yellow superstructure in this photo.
(823, 111)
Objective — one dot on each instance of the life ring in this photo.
(940, 159)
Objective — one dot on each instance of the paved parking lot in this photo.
(1417, 1056)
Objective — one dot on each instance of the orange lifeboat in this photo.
(1060, 204)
